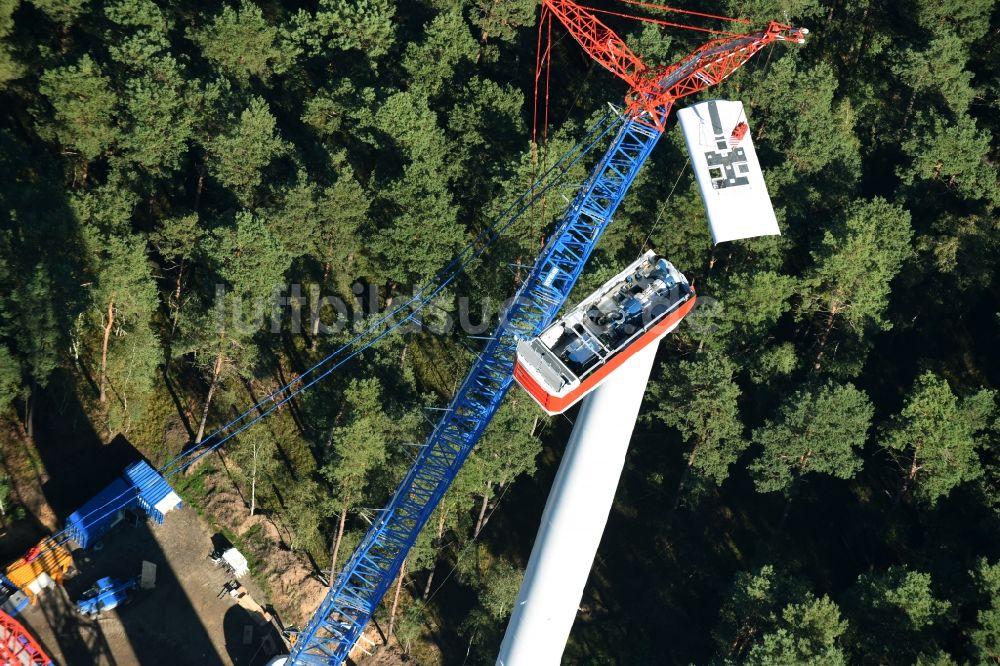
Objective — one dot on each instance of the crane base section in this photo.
(17, 646)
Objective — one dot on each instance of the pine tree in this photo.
(751, 304)
(10, 68)
(254, 454)
(816, 430)
(244, 45)
(359, 446)
(752, 608)
(10, 379)
(238, 159)
(507, 450)
(818, 154)
(431, 64)
(985, 637)
(125, 349)
(420, 211)
(501, 19)
(934, 438)
(809, 632)
(955, 154)
(849, 285)
(937, 72)
(700, 399)
(64, 12)
(84, 107)
(898, 603)
(250, 263)
(157, 118)
(365, 25)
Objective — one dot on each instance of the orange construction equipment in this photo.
(45, 564)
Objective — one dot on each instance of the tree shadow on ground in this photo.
(78, 464)
(159, 626)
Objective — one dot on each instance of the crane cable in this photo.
(689, 12)
(442, 279)
(490, 234)
(473, 249)
(668, 24)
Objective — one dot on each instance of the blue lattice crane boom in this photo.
(338, 623)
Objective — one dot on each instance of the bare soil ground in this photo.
(293, 588)
(181, 621)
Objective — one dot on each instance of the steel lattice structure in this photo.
(17, 646)
(352, 599)
(655, 89)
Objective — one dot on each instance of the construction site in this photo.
(124, 589)
(707, 376)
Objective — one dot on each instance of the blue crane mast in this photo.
(349, 605)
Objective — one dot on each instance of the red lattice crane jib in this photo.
(655, 89)
(17, 646)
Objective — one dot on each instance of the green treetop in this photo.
(10, 378)
(365, 25)
(970, 20)
(238, 158)
(84, 104)
(431, 64)
(700, 399)
(855, 263)
(939, 73)
(10, 68)
(953, 153)
(752, 608)
(816, 430)
(124, 300)
(244, 45)
(501, 19)
(896, 603)
(751, 304)
(809, 632)
(420, 212)
(934, 438)
(985, 638)
(158, 121)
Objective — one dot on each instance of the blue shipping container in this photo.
(151, 488)
(96, 517)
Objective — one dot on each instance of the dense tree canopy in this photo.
(199, 201)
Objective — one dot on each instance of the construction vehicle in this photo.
(106, 594)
